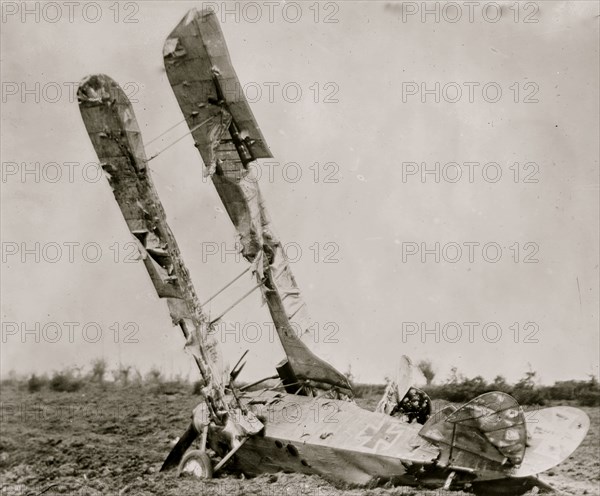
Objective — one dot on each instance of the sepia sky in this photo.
(487, 261)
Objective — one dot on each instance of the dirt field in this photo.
(113, 441)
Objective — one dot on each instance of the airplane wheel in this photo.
(196, 463)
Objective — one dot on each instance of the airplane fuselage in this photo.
(333, 438)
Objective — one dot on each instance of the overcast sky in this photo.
(514, 98)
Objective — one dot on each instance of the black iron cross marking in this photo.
(381, 434)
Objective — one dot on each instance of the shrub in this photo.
(36, 383)
(65, 381)
(500, 384)
(530, 396)
(368, 390)
(426, 368)
(461, 389)
(589, 398)
(99, 368)
(154, 375)
(121, 375)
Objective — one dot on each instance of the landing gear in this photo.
(196, 463)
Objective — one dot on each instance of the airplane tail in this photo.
(493, 437)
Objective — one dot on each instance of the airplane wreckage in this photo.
(487, 446)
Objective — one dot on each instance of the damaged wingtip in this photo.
(190, 16)
(95, 88)
(195, 13)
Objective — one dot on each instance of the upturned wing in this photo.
(229, 140)
(115, 135)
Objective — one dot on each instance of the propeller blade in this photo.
(239, 361)
(176, 454)
(236, 373)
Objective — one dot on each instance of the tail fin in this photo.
(487, 434)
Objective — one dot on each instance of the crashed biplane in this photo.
(307, 421)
